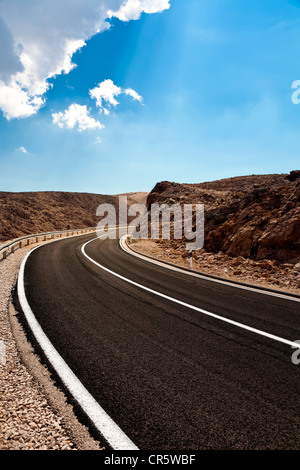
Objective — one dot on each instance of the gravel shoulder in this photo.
(34, 412)
(265, 273)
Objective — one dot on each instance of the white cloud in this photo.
(9, 60)
(23, 150)
(16, 102)
(39, 39)
(133, 94)
(106, 92)
(76, 116)
(132, 9)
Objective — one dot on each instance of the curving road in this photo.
(170, 376)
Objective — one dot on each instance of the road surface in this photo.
(171, 377)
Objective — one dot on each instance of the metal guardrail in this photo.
(10, 247)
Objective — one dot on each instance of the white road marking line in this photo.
(116, 438)
(206, 278)
(184, 304)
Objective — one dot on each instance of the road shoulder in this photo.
(34, 412)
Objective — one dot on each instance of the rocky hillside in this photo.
(256, 217)
(36, 212)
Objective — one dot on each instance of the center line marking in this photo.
(192, 307)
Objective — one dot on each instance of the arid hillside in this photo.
(36, 212)
(256, 216)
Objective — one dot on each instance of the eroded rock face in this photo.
(256, 217)
(158, 189)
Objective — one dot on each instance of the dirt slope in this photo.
(35, 212)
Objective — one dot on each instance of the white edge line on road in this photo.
(105, 425)
(192, 307)
(202, 276)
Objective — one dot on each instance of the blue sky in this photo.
(212, 82)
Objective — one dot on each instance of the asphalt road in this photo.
(170, 377)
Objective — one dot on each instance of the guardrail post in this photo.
(191, 260)
(12, 250)
(37, 239)
(20, 244)
(4, 255)
(28, 241)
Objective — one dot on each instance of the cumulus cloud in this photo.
(106, 92)
(10, 62)
(16, 102)
(76, 116)
(39, 39)
(132, 9)
(23, 150)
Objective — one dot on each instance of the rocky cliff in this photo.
(256, 216)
